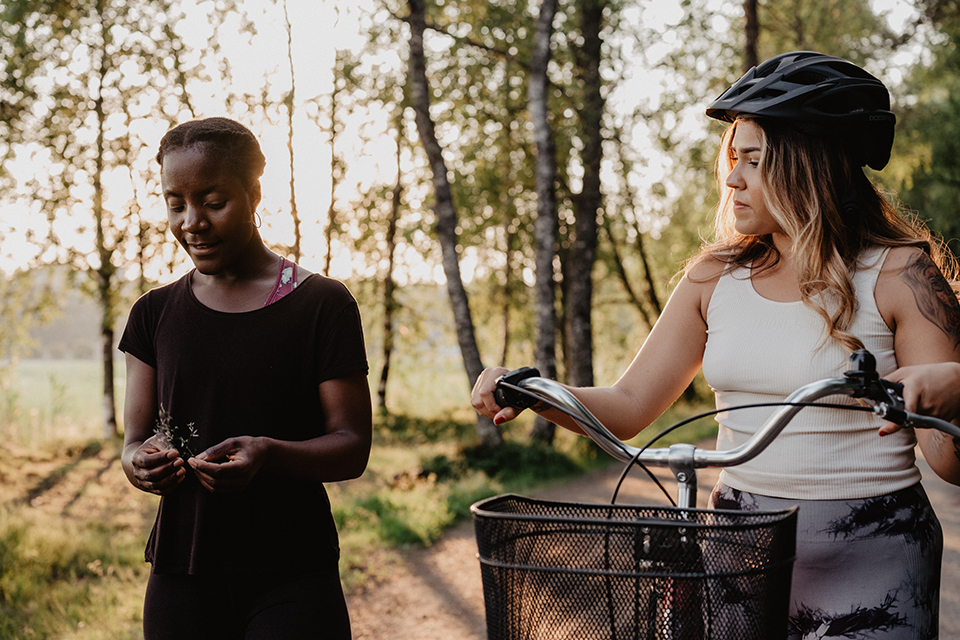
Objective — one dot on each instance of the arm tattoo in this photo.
(935, 299)
(943, 440)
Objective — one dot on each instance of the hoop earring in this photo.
(257, 220)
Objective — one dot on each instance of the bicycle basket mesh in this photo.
(554, 570)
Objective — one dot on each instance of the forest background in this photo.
(497, 182)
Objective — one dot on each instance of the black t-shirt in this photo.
(255, 373)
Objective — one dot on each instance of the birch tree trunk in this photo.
(446, 213)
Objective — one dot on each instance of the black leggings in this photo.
(245, 607)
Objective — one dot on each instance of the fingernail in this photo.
(498, 420)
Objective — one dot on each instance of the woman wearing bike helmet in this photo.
(808, 263)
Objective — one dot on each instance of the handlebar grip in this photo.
(506, 396)
(909, 419)
(929, 422)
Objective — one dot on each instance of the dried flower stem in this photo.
(174, 438)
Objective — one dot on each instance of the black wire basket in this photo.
(555, 570)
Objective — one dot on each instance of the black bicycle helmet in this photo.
(831, 95)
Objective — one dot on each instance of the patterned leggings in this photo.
(866, 569)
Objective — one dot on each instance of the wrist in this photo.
(265, 449)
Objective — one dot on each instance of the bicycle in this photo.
(566, 570)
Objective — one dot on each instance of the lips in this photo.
(202, 248)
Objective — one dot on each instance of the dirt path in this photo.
(435, 593)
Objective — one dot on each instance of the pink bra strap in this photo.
(286, 281)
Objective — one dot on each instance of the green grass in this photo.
(66, 577)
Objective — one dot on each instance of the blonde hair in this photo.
(827, 207)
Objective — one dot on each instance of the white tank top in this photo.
(759, 350)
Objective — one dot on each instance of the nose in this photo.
(194, 219)
(734, 178)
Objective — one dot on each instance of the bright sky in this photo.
(319, 28)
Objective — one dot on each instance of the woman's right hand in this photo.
(929, 389)
(157, 467)
(483, 400)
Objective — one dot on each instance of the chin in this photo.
(207, 267)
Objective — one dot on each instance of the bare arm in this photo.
(149, 462)
(917, 302)
(666, 363)
(340, 454)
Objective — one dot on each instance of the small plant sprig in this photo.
(171, 433)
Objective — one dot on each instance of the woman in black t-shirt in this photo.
(246, 391)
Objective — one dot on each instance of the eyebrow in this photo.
(173, 194)
(746, 150)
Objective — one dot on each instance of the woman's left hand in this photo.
(230, 465)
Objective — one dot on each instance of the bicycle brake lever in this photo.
(886, 399)
(507, 397)
(894, 392)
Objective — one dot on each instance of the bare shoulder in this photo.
(701, 280)
(707, 269)
(899, 258)
(912, 285)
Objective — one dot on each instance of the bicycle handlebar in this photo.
(860, 381)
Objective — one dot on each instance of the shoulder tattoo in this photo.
(935, 299)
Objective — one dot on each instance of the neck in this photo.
(258, 262)
(784, 245)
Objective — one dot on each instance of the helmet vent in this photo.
(770, 94)
(806, 77)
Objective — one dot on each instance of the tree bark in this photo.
(289, 103)
(446, 213)
(624, 278)
(587, 204)
(336, 170)
(751, 33)
(545, 226)
(651, 289)
(105, 271)
(389, 286)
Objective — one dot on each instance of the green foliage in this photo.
(513, 461)
(846, 28)
(407, 429)
(26, 301)
(927, 150)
